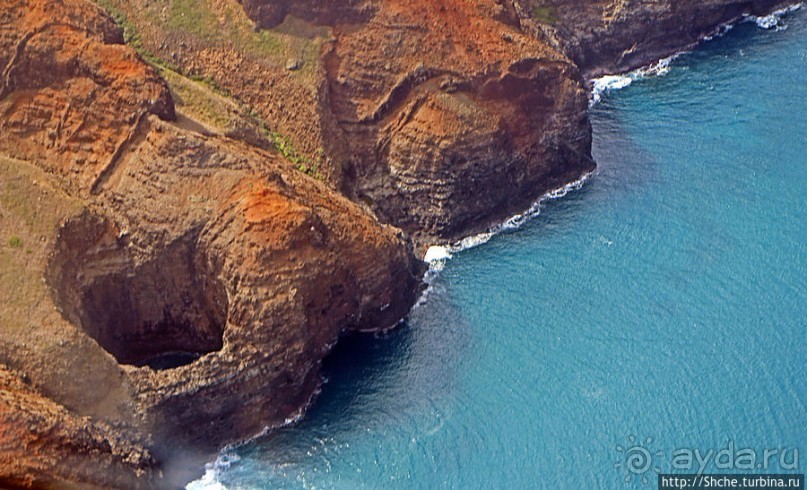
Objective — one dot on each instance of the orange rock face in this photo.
(204, 245)
(459, 119)
(448, 116)
(42, 445)
(71, 93)
(167, 289)
(443, 117)
(198, 284)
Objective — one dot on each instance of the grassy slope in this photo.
(30, 210)
(223, 24)
(219, 24)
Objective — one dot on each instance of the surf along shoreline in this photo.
(599, 84)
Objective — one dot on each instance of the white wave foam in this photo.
(775, 20)
(602, 85)
(434, 270)
(437, 255)
(517, 220)
(608, 83)
(721, 31)
(208, 482)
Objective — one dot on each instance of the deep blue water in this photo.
(665, 300)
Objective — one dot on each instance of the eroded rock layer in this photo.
(170, 283)
(449, 117)
(71, 93)
(43, 445)
(454, 117)
(607, 36)
(195, 282)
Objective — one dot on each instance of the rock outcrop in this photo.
(71, 93)
(43, 445)
(612, 36)
(449, 117)
(443, 117)
(167, 287)
(195, 282)
(221, 279)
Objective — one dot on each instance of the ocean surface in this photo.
(659, 310)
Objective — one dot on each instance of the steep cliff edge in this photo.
(169, 282)
(192, 283)
(43, 445)
(611, 36)
(71, 93)
(449, 116)
(442, 117)
(454, 118)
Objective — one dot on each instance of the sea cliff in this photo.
(198, 198)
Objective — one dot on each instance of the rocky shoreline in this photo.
(184, 240)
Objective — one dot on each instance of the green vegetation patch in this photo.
(304, 164)
(201, 99)
(545, 15)
(130, 34)
(193, 16)
(221, 24)
(259, 42)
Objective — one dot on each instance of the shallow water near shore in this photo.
(662, 306)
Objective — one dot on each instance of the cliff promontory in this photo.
(192, 283)
(197, 198)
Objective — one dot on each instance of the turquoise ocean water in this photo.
(663, 305)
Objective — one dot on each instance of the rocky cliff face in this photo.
(442, 117)
(208, 257)
(194, 283)
(272, 13)
(43, 445)
(71, 93)
(448, 116)
(609, 36)
(169, 283)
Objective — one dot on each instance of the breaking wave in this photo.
(437, 255)
(775, 20)
(602, 85)
(607, 83)
(210, 480)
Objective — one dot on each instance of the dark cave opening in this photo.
(164, 310)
